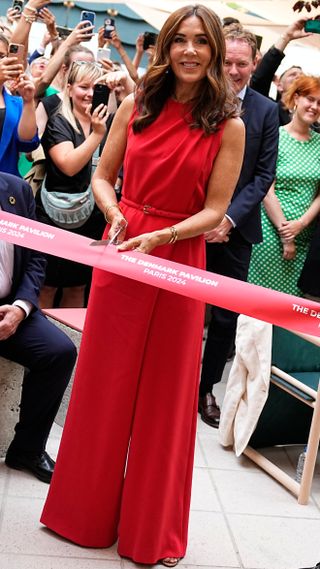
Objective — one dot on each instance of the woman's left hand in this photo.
(99, 119)
(25, 88)
(146, 242)
(289, 250)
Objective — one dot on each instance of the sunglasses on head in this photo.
(92, 63)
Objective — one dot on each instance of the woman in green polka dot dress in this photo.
(291, 203)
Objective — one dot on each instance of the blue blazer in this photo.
(29, 266)
(10, 143)
(260, 116)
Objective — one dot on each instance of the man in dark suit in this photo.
(28, 338)
(229, 245)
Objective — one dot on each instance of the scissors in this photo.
(113, 240)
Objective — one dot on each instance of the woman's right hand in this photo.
(81, 32)
(118, 227)
(289, 250)
(13, 15)
(99, 119)
(9, 69)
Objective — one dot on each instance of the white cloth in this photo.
(248, 383)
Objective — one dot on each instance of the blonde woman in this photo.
(71, 137)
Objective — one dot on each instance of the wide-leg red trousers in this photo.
(124, 468)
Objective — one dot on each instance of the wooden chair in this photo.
(291, 414)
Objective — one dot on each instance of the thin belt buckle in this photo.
(146, 208)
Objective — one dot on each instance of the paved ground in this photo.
(240, 517)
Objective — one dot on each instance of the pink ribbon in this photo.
(265, 304)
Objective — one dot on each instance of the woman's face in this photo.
(190, 52)
(81, 93)
(308, 107)
(38, 66)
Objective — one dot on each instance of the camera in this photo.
(149, 38)
(108, 28)
(312, 26)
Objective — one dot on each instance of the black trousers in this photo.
(49, 357)
(230, 259)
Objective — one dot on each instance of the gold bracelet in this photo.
(174, 235)
(29, 19)
(107, 209)
(31, 8)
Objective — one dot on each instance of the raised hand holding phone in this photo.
(9, 69)
(89, 18)
(17, 5)
(16, 51)
(149, 38)
(109, 27)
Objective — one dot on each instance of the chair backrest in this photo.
(292, 353)
(285, 419)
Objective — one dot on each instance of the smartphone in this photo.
(100, 96)
(312, 26)
(103, 53)
(63, 32)
(149, 38)
(17, 50)
(17, 5)
(90, 17)
(109, 27)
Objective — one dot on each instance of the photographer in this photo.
(65, 200)
(265, 72)
(18, 126)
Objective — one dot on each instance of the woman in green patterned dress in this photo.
(291, 203)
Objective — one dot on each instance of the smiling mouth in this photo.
(189, 65)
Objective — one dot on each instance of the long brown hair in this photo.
(215, 101)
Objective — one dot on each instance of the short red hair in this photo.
(304, 85)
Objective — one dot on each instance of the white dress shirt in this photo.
(6, 275)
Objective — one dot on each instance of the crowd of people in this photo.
(231, 182)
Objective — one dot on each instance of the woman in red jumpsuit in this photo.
(124, 468)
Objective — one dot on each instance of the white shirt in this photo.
(6, 267)
(241, 95)
(6, 275)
